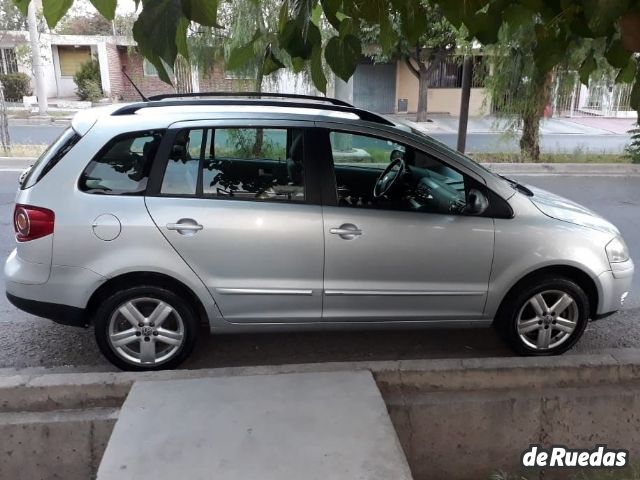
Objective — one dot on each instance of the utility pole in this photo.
(465, 95)
(36, 59)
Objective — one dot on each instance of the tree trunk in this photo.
(423, 89)
(530, 140)
(5, 141)
(257, 146)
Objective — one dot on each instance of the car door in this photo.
(236, 203)
(413, 256)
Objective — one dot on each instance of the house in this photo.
(393, 88)
(62, 56)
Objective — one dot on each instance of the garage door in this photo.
(374, 87)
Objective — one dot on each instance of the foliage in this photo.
(633, 149)
(161, 29)
(16, 85)
(92, 24)
(87, 80)
(10, 17)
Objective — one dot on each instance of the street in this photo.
(28, 341)
(477, 142)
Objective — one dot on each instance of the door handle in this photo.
(346, 231)
(185, 226)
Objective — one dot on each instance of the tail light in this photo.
(32, 222)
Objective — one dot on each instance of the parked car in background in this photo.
(269, 213)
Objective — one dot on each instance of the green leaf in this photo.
(330, 8)
(294, 43)
(283, 15)
(298, 64)
(317, 73)
(23, 5)
(239, 57)
(617, 55)
(271, 62)
(626, 74)
(204, 12)
(517, 15)
(54, 10)
(181, 37)
(485, 27)
(107, 8)
(588, 65)
(157, 29)
(343, 55)
(387, 36)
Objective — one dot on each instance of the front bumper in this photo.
(615, 286)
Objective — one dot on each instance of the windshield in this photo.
(50, 157)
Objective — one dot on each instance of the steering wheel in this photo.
(389, 178)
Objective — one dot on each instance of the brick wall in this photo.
(115, 73)
(213, 81)
(148, 84)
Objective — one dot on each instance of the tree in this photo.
(89, 24)
(437, 42)
(11, 18)
(162, 26)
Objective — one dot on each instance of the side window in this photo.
(238, 163)
(377, 173)
(122, 167)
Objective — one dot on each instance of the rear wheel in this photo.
(145, 328)
(545, 316)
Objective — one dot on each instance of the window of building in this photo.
(8, 61)
(447, 73)
(237, 163)
(72, 58)
(149, 69)
(122, 167)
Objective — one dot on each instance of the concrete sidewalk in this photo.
(441, 123)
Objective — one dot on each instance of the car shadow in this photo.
(290, 348)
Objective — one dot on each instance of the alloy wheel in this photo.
(547, 319)
(146, 331)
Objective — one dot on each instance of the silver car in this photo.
(250, 214)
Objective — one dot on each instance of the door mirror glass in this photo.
(477, 202)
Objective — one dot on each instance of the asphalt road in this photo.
(27, 341)
(476, 142)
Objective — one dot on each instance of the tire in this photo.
(169, 342)
(534, 328)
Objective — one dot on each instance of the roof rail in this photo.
(363, 114)
(258, 95)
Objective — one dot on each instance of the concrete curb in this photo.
(28, 392)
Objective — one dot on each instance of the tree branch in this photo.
(412, 69)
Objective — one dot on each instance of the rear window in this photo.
(122, 167)
(50, 157)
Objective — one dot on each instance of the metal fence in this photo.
(601, 98)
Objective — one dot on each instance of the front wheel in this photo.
(145, 328)
(545, 316)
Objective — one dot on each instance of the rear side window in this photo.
(122, 167)
(237, 163)
(50, 157)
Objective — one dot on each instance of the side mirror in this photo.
(477, 202)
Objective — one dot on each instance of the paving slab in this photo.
(325, 425)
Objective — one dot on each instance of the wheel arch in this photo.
(132, 279)
(582, 278)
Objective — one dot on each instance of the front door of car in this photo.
(412, 252)
(237, 205)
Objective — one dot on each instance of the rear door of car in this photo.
(236, 201)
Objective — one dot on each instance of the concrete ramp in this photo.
(288, 426)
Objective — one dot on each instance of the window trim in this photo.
(330, 194)
(108, 144)
(311, 180)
